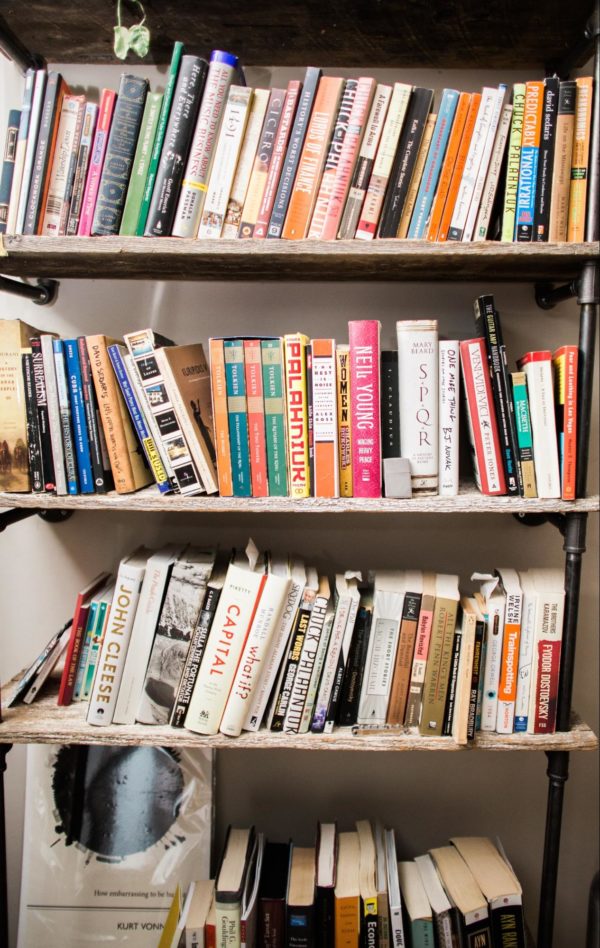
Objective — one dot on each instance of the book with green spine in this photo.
(159, 138)
(141, 160)
(274, 399)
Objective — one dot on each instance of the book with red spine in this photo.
(481, 417)
(565, 361)
(549, 585)
(340, 130)
(92, 184)
(80, 614)
(365, 413)
(294, 88)
(256, 418)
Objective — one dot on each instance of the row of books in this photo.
(232, 643)
(287, 416)
(324, 158)
(350, 890)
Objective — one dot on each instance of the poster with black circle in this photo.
(109, 832)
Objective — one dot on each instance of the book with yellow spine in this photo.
(342, 356)
(297, 413)
(580, 159)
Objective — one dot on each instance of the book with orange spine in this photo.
(312, 159)
(565, 361)
(220, 416)
(456, 134)
(459, 166)
(256, 418)
(580, 158)
(325, 418)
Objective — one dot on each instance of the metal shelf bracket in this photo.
(44, 293)
(16, 515)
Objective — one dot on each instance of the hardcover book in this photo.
(418, 400)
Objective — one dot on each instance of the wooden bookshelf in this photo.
(168, 258)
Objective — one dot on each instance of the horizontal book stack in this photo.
(231, 643)
(323, 158)
(350, 889)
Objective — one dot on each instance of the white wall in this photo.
(426, 797)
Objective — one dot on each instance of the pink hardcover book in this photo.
(365, 406)
(256, 418)
(105, 114)
(365, 91)
(294, 89)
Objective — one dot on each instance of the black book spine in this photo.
(8, 165)
(355, 667)
(369, 929)
(91, 417)
(477, 934)
(43, 153)
(299, 926)
(295, 650)
(33, 433)
(404, 161)
(310, 420)
(475, 677)
(41, 399)
(120, 150)
(178, 138)
(541, 216)
(508, 929)
(292, 157)
(194, 656)
(487, 323)
(390, 412)
(324, 917)
(452, 682)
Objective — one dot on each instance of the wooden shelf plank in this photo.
(470, 500)
(514, 34)
(168, 258)
(43, 722)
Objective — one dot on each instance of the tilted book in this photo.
(463, 892)
(406, 647)
(365, 413)
(307, 658)
(56, 89)
(289, 667)
(37, 100)
(418, 397)
(447, 169)
(416, 176)
(8, 165)
(442, 908)
(464, 148)
(486, 155)
(487, 204)
(317, 670)
(351, 687)
(347, 600)
(481, 418)
(80, 613)
(262, 163)
(101, 472)
(492, 602)
(15, 338)
(284, 130)
(20, 147)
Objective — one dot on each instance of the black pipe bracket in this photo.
(43, 292)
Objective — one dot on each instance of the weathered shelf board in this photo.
(470, 500)
(43, 722)
(168, 258)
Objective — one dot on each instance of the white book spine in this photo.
(229, 630)
(510, 652)
(449, 415)
(525, 654)
(418, 400)
(113, 651)
(308, 655)
(495, 603)
(311, 696)
(15, 190)
(325, 429)
(338, 630)
(543, 426)
(243, 171)
(345, 649)
(266, 622)
(227, 153)
(474, 156)
(486, 206)
(157, 572)
(69, 130)
(274, 659)
(149, 418)
(193, 187)
(58, 456)
(484, 164)
(381, 654)
(34, 126)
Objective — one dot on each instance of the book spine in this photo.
(524, 676)
(87, 619)
(220, 416)
(354, 671)
(297, 414)
(290, 669)
(437, 673)
(65, 416)
(168, 187)
(365, 413)
(20, 151)
(509, 666)
(262, 163)
(565, 381)
(494, 636)
(484, 165)
(227, 153)
(335, 695)
(330, 664)
(221, 74)
(140, 166)
(538, 369)
(8, 165)
(561, 170)
(513, 163)
(289, 167)
(476, 677)
(580, 159)
(34, 448)
(312, 159)
(404, 659)
(390, 409)
(80, 432)
(454, 141)
(450, 710)
(97, 619)
(332, 161)
(96, 162)
(363, 169)
(54, 419)
(326, 482)
(315, 678)
(96, 448)
(419, 664)
(43, 420)
(88, 129)
(459, 167)
(53, 98)
(243, 171)
(524, 436)
(482, 416)
(133, 377)
(237, 408)
(488, 197)
(528, 167)
(433, 165)
(194, 656)
(62, 167)
(382, 168)
(310, 419)
(306, 663)
(416, 176)
(488, 106)
(256, 418)
(274, 405)
(546, 664)
(342, 355)
(37, 105)
(284, 131)
(541, 217)
(449, 417)
(418, 359)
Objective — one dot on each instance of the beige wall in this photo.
(426, 797)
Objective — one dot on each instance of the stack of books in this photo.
(323, 158)
(350, 890)
(232, 643)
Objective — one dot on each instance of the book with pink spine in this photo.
(105, 114)
(365, 360)
(294, 88)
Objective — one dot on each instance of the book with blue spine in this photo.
(65, 416)
(528, 166)
(80, 432)
(115, 353)
(238, 417)
(433, 165)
